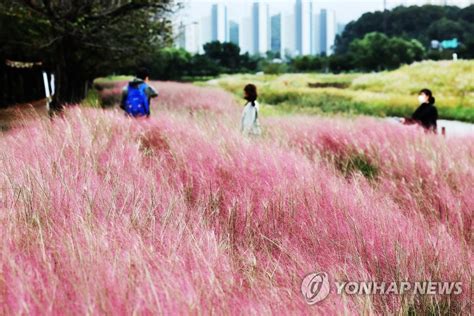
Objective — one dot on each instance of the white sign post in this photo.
(46, 89)
(53, 87)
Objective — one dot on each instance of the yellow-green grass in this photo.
(92, 99)
(379, 94)
(113, 78)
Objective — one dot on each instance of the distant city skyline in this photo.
(346, 10)
(287, 27)
(302, 29)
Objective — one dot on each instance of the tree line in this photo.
(80, 40)
(376, 41)
(422, 23)
(404, 35)
(375, 51)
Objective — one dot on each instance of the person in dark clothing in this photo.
(426, 114)
(136, 96)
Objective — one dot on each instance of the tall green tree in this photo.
(227, 55)
(82, 39)
(169, 63)
(377, 51)
(370, 52)
(445, 28)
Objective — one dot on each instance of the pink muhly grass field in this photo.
(179, 214)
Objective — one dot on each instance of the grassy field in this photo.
(378, 94)
(180, 214)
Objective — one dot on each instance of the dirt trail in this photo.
(22, 113)
(453, 128)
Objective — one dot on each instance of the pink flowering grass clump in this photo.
(187, 97)
(111, 97)
(180, 214)
(425, 174)
(175, 97)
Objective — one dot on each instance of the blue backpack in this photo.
(137, 101)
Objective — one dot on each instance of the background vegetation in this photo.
(389, 93)
(81, 40)
(422, 23)
(375, 42)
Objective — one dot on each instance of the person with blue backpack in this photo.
(136, 96)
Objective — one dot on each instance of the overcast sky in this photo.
(346, 10)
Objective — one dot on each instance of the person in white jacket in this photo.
(250, 124)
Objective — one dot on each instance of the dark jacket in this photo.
(150, 92)
(426, 115)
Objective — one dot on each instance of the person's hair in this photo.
(142, 73)
(427, 92)
(251, 91)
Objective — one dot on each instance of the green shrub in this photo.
(357, 163)
(274, 68)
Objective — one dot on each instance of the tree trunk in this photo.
(69, 88)
(68, 81)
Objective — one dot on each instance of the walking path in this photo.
(453, 128)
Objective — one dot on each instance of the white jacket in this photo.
(250, 124)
